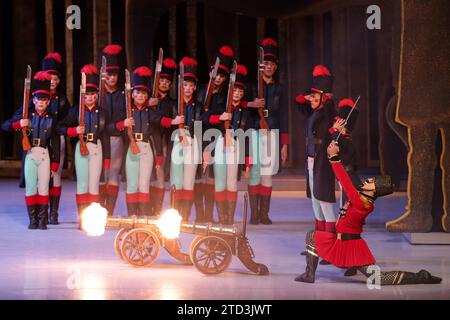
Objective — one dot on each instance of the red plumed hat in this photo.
(270, 48)
(190, 69)
(241, 76)
(345, 106)
(52, 63)
(346, 102)
(226, 56)
(112, 54)
(168, 69)
(322, 79)
(141, 78)
(92, 77)
(41, 84)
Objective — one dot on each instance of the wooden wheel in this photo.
(118, 241)
(193, 243)
(211, 255)
(140, 247)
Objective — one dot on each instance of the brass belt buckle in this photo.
(90, 137)
(36, 142)
(339, 236)
(266, 113)
(138, 136)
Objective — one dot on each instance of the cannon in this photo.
(139, 241)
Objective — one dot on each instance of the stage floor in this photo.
(64, 263)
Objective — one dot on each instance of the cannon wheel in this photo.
(118, 241)
(140, 247)
(211, 255)
(193, 243)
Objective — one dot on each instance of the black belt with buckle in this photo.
(347, 236)
(139, 136)
(266, 113)
(90, 138)
(37, 143)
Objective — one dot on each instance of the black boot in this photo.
(264, 210)
(350, 272)
(231, 209)
(111, 203)
(158, 199)
(132, 208)
(33, 215)
(42, 216)
(254, 207)
(54, 205)
(209, 206)
(199, 205)
(103, 195)
(222, 211)
(187, 208)
(151, 206)
(309, 275)
(421, 277)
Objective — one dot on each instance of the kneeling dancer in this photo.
(347, 248)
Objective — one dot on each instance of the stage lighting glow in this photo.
(169, 224)
(93, 220)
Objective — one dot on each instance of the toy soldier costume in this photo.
(88, 166)
(114, 99)
(42, 160)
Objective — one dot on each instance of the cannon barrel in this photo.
(186, 227)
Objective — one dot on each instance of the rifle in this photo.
(262, 120)
(102, 83)
(230, 98)
(102, 86)
(133, 145)
(83, 148)
(158, 68)
(26, 99)
(181, 99)
(211, 85)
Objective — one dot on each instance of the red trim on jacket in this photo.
(214, 119)
(284, 138)
(166, 122)
(54, 166)
(120, 125)
(107, 164)
(72, 132)
(16, 125)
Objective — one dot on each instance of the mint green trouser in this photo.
(139, 168)
(226, 165)
(265, 160)
(37, 171)
(184, 162)
(89, 168)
